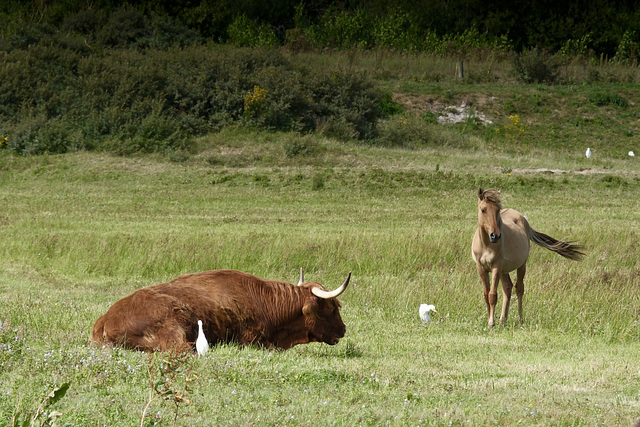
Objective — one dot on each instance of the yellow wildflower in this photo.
(515, 128)
(255, 97)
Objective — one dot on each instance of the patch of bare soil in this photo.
(446, 113)
(419, 104)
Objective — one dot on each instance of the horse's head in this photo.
(489, 206)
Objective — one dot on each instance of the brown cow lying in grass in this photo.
(233, 306)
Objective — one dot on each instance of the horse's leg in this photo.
(493, 294)
(484, 277)
(520, 288)
(507, 285)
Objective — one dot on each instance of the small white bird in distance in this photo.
(201, 343)
(588, 153)
(425, 312)
(632, 154)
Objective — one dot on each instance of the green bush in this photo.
(346, 100)
(534, 66)
(628, 48)
(37, 134)
(463, 43)
(85, 22)
(91, 30)
(124, 28)
(397, 30)
(577, 47)
(166, 32)
(56, 99)
(388, 107)
(247, 33)
(343, 29)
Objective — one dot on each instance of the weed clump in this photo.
(602, 99)
(171, 377)
(318, 182)
(297, 145)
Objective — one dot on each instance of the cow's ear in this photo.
(310, 308)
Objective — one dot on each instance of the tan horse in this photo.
(501, 245)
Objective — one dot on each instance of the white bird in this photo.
(425, 312)
(201, 343)
(632, 154)
(588, 153)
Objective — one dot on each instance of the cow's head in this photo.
(321, 312)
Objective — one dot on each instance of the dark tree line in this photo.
(600, 25)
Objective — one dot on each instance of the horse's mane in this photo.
(492, 196)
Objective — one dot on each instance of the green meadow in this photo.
(82, 230)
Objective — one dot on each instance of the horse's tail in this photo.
(566, 249)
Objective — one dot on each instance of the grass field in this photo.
(80, 231)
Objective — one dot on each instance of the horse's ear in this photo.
(500, 191)
(480, 192)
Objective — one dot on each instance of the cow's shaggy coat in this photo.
(234, 307)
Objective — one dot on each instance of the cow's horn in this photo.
(320, 293)
(301, 281)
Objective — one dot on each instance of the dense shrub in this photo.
(628, 48)
(86, 22)
(344, 29)
(346, 100)
(535, 66)
(397, 30)
(166, 32)
(245, 32)
(56, 99)
(35, 133)
(91, 30)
